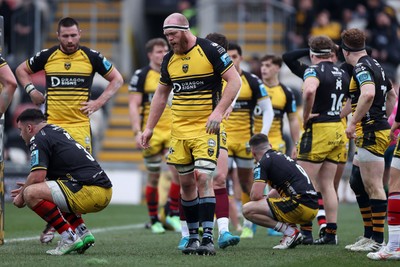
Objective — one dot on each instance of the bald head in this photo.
(176, 19)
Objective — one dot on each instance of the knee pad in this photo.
(356, 182)
(153, 164)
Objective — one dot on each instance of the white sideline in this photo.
(95, 230)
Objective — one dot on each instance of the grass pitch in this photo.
(121, 240)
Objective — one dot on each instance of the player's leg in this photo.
(392, 250)
(38, 197)
(225, 238)
(172, 214)
(326, 185)
(371, 170)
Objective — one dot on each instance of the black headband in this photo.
(349, 49)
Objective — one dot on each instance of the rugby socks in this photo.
(222, 209)
(330, 230)
(394, 221)
(173, 200)
(306, 229)
(73, 219)
(191, 210)
(49, 212)
(321, 218)
(365, 210)
(152, 203)
(245, 199)
(206, 210)
(284, 228)
(378, 211)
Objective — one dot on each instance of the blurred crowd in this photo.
(376, 17)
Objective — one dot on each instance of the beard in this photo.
(69, 49)
(181, 47)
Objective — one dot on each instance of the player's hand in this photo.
(213, 123)
(145, 138)
(37, 97)
(19, 201)
(89, 107)
(351, 131)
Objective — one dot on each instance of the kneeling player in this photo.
(294, 200)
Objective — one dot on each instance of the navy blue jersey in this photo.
(290, 179)
(54, 150)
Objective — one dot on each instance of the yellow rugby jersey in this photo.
(145, 81)
(196, 81)
(283, 101)
(240, 123)
(369, 71)
(69, 79)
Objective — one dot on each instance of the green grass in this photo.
(127, 243)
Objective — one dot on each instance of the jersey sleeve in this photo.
(363, 75)
(136, 84)
(99, 62)
(40, 153)
(165, 79)
(217, 55)
(260, 92)
(39, 60)
(310, 72)
(291, 104)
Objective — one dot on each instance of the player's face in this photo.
(268, 70)
(177, 40)
(24, 129)
(236, 58)
(69, 38)
(156, 56)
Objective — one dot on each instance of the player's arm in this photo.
(291, 60)
(23, 74)
(34, 177)
(135, 101)
(267, 114)
(157, 107)
(257, 191)
(233, 84)
(310, 86)
(7, 79)
(390, 101)
(346, 110)
(363, 105)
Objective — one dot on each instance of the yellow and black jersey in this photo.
(239, 126)
(369, 71)
(145, 81)
(285, 175)
(69, 78)
(2, 61)
(196, 81)
(283, 101)
(331, 92)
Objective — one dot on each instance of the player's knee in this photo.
(246, 210)
(356, 182)
(153, 164)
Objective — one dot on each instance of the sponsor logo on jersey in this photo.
(363, 76)
(310, 72)
(106, 64)
(211, 142)
(257, 175)
(34, 158)
(226, 59)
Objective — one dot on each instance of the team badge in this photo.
(67, 65)
(248, 150)
(185, 68)
(211, 142)
(223, 137)
(210, 151)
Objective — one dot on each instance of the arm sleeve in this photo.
(268, 114)
(291, 59)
